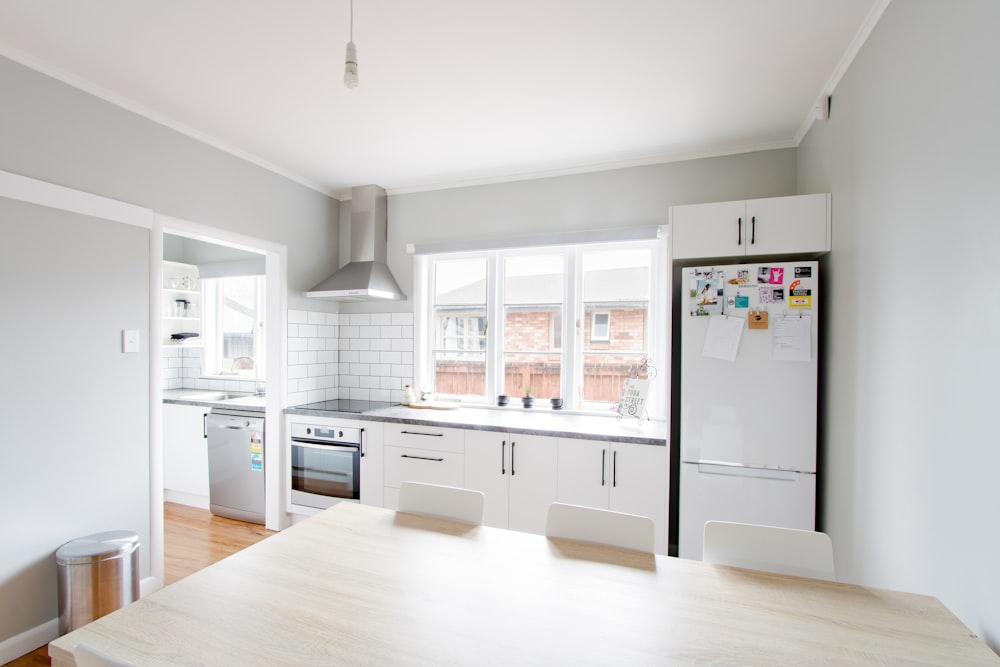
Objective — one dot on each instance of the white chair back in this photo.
(803, 553)
(447, 502)
(85, 655)
(589, 524)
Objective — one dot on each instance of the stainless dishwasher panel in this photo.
(236, 464)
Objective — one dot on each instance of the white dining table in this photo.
(361, 585)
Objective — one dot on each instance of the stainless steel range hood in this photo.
(366, 277)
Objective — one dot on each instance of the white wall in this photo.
(912, 457)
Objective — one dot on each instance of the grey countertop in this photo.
(202, 397)
(515, 420)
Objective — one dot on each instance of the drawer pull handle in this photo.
(436, 435)
(422, 458)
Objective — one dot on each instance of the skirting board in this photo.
(184, 498)
(40, 635)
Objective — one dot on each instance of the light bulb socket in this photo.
(351, 66)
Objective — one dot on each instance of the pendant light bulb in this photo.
(351, 67)
(351, 59)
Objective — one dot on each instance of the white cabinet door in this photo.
(185, 454)
(583, 472)
(639, 484)
(517, 474)
(783, 225)
(622, 477)
(487, 456)
(708, 230)
(533, 473)
(371, 463)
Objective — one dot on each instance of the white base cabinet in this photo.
(371, 463)
(517, 473)
(754, 227)
(622, 477)
(185, 454)
(420, 453)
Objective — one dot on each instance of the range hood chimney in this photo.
(366, 277)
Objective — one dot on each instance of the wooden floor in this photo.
(193, 538)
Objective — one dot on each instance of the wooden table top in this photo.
(365, 585)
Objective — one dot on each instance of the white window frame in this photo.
(213, 341)
(594, 338)
(573, 347)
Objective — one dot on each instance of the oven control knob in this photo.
(309, 431)
(340, 434)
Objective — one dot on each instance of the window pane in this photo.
(533, 315)
(459, 348)
(239, 322)
(616, 308)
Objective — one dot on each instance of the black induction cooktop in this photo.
(350, 405)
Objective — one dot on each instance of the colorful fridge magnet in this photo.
(757, 319)
(777, 276)
(800, 298)
(741, 301)
(763, 274)
(803, 272)
(742, 277)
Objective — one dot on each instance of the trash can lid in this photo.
(97, 547)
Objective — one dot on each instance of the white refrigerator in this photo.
(748, 394)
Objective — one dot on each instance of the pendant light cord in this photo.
(352, 20)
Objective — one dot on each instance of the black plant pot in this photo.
(527, 401)
(502, 399)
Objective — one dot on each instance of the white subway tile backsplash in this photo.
(365, 356)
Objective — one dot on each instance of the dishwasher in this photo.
(236, 464)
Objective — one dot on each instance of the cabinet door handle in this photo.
(204, 425)
(433, 435)
(422, 458)
(604, 454)
(753, 230)
(512, 443)
(503, 457)
(614, 468)
(361, 445)
(739, 231)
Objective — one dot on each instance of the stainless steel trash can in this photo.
(97, 575)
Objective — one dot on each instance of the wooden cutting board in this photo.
(435, 405)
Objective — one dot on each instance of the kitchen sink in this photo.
(218, 395)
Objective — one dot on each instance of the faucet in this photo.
(258, 390)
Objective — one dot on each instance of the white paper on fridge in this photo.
(791, 340)
(723, 338)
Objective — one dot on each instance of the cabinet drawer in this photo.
(425, 437)
(404, 464)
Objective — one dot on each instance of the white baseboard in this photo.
(40, 635)
(184, 498)
(28, 641)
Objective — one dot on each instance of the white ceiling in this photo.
(453, 92)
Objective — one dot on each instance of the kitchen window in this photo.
(234, 326)
(565, 321)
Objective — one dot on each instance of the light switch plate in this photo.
(130, 341)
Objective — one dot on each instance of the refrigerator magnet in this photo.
(741, 301)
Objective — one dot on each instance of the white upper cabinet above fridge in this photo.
(751, 228)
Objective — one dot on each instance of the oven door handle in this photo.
(324, 446)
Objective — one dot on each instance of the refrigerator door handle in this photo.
(747, 471)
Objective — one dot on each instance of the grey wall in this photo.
(62, 336)
(912, 457)
(636, 197)
(58, 134)
(73, 463)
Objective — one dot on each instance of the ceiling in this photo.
(453, 92)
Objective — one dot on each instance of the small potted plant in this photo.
(527, 400)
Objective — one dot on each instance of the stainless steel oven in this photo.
(326, 465)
